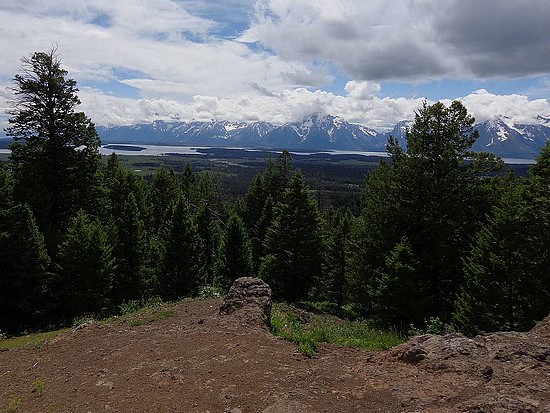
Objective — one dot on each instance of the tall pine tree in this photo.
(293, 244)
(56, 150)
(24, 280)
(431, 194)
(507, 274)
(235, 253)
(86, 269)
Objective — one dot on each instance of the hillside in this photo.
(190, 359)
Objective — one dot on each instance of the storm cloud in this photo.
(407, 40)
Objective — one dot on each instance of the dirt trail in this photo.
(197, 361)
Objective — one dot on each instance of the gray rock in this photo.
(251, 294)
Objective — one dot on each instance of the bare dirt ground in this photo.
(197, 361)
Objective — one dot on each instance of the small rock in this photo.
(487, 372)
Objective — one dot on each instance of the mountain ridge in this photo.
(318, 131)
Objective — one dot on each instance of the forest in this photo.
(440, 235)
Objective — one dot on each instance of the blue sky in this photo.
(371, 62)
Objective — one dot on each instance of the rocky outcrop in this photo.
(252, 295)
(507, 365)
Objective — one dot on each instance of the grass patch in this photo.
(36, 340)
(137, 312)
(147, 315)
(38, 387)
(14, 405)
(310, 330)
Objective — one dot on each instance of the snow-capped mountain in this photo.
(181, 133)
(314, 132)
(512, 140)
(322, 132)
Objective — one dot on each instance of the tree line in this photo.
(440, 234)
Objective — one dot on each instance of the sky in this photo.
(372, 62)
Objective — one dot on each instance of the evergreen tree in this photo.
(210, 234)
(6, 188)
(86, 268)
(23, 275)
(56, 150)
(260, 232)
(507, 274)
(332, 286)
(293, 244)
(165, 191)
(188, 182)
(263, 193)
(433, 195)
(130, 246)
(182, 273)
(235, 253)
(208, 191)
(399, 293)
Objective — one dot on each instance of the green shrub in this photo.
(207, 291)
(132, 306)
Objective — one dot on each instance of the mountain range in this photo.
(322, 132)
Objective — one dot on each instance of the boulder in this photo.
(251, 295)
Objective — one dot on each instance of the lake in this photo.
(158, 150)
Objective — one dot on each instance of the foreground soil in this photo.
(192, 360)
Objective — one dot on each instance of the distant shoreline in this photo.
(162, 150)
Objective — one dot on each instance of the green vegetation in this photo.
(38, 387)
(438, 238)
(14, 405)
(35, 340)
(309, 331)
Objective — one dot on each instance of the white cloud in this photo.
(292, 105)
(515, 108)
(157, 39)
(362, 90)
(410, 39)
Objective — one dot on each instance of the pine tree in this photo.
(235, 253)
(433, 195)
(399, 294)
(129, 238)
(86, 268)
(507, 276)
(293, 244)
(332, 286)
(209, 231)
(6, 188)
(165, 191)
(490, 297)
(182, 273)
(263, 193)
(188, 182)
(56, 150)
(24, 280)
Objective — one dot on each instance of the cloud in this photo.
(136, 61)
(287, 106)
(410, 40)
(174, 52)
(361, 90)
(293, 105)
(515, 108)
(494, 38)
